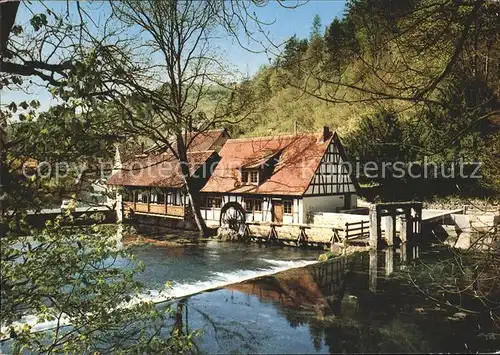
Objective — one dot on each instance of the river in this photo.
(250, 298)
(363, 303)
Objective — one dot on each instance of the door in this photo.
(278, 211)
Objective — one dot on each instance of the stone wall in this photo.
(337, 220)
(154, 224)
(314, 234)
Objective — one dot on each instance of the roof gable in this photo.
(300, 156)
(197, 141)
(162, 169)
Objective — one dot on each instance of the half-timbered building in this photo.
(282, 179)
(152, 184)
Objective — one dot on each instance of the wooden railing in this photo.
(353, 230)
(153, 208)
(357, 230)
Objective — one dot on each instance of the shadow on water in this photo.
(363, 303)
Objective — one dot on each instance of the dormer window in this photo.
(254, 177)
(250, 177)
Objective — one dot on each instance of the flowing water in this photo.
(199, 267)
(278, 300)
(249, 298)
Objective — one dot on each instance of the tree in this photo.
(162, 101)
(407, 42)
(65, 273)
(316, 27)
(340, 43)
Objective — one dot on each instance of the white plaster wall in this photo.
(322, 204)
(337, 220)
(212, 216)
(267, 215)
(354, 201)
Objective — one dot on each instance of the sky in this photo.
(284, 23)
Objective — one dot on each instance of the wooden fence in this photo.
(351, 231)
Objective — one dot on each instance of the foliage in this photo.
(433, 64)
(76, 278)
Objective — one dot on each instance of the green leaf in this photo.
(17, 30)
(13, 107)
(35, 104)
(38, 21)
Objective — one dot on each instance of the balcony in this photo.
(155, 209)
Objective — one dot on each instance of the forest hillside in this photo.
(399, 80)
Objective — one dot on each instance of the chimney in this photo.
(326, 134)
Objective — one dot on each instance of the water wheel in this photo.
(232, 216)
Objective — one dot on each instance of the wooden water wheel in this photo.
(232, 216)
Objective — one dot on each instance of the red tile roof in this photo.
(300, 156)
(197, 141)
(163, 169)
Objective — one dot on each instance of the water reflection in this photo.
(406, 255)
(358, 304)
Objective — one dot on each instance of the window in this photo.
(287, 206)
(249, 205)
(160, 198)
(254, 177)
(253, 205)
(250, 177)
(212, 202)
(244, 177)
(217, 202)
(172, 198)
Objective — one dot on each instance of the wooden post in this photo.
(403, 235)
(409, 227)
(374, 226)
(165, 202)
(403, 255)
(389, 229)
(389, 261)
(372, 272)
(418, 222)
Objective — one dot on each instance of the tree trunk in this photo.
(8, 12)
(195, 207)
(192, 193)
(3, 168)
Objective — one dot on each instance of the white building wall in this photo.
(354, 201)
(313, 204)
(212, 216)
